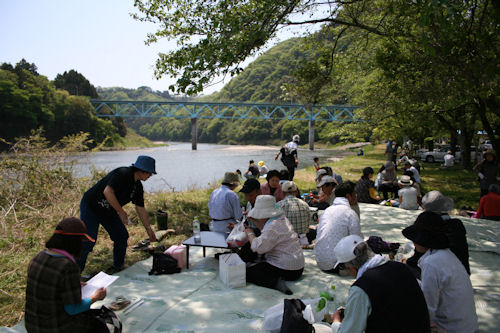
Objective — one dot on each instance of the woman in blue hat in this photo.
(103, 202)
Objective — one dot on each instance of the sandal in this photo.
(143, 243)
(120, 303)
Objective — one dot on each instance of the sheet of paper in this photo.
(100, 280)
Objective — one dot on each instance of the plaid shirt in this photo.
(54, 282)
(297, 212)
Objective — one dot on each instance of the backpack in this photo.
(164, 264)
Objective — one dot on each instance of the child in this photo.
(316, 163)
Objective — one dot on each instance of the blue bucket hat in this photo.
(145, 163)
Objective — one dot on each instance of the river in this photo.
(179, 168)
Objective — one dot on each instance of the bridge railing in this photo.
(202, 110)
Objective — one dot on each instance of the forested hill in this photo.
(140, 94)
(262, 80)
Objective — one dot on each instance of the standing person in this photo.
(289, 156)
(296, 211)
(224, 205)
(365, 187)
(446, 286)
(388, 151)
(263, 169)
(253, 170)
(284, 259)
(488, 171)
(316, 163)
(385, 296)
(337, 222)
(273, 186)
(53, 292)
(102, 205)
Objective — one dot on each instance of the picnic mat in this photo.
(196, 301)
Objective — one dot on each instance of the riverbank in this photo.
(30, 210)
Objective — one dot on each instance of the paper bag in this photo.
(232, 270)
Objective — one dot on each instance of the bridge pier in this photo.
(311, 134)
(194, 133)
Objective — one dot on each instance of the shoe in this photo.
(281, 286)
(142, 244)
(112, 270)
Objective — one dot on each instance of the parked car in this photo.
(486, 145)
(437, 155)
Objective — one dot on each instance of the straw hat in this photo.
(231, 178)
(405, 181)
(265, 207)
(435, 201)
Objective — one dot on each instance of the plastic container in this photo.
(196, 230)
(161, 219)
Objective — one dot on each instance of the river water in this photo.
(179, 168)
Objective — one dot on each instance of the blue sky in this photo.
(97, 38)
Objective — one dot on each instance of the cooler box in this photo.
(179, 253)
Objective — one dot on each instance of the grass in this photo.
(31, 208)
(134, 140)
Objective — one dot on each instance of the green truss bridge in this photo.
(202, 110)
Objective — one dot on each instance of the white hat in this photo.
(289, 186)
(265, 207)
(344, 250)
(326, 180)
(319, 173)
(296, 138)
(435, 201)
(405, 180)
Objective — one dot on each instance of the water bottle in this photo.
(405, 251)
(196, 230)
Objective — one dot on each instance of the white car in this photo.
(437, 155)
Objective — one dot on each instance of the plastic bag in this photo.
(237, 237)
(273, 316)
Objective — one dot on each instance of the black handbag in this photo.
(164, 264)
(293, 320)
(106, 321)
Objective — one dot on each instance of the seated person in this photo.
(449, 159)
(489, 205)
(409, 167)
(365, 188)
(224, 205)
(407, 194)
(338, 221)
(415, 185)
(326, 196)
(272, 186)
(383, 289)
(53, 293)
(263, 169)
(253, 170)
(388, 180)
(445, 283)
(280, 244)
(296, 210)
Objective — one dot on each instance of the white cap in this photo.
(326, 180)
(344, 250)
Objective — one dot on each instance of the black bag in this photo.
(293, 320)
(106, 320)
(164, 264)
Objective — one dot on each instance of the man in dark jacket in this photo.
(385, 297)
(103, 204)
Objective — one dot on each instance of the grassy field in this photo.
(30, 209)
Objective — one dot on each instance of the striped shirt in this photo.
(297, 212)
(280, 244)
